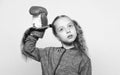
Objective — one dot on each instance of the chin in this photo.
(70, 41)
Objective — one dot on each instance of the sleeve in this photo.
(30, 50)
(86, 69)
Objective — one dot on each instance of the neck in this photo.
(67, 46)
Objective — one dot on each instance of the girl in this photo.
(70, 59)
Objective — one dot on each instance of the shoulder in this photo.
(49, 48)
(48, 51)
(52, 49)
(85, 58)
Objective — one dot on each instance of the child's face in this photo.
(65, 30)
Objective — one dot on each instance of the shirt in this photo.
(58, 60)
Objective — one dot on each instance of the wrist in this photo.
(38, 33)
(36, 37)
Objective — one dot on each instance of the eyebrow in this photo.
(63, 26)
(60, 27)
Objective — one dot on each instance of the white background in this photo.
(99, 19)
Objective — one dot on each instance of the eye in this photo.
(70, 25)
(60, 29)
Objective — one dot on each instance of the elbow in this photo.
(23, 51)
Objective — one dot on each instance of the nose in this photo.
(68, 30)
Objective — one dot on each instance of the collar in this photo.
(73, 48)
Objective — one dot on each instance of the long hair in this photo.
(79, 41)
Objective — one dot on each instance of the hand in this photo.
(37, 10)
(39, 16)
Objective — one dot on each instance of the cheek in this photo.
(74, 31)
(61, 35)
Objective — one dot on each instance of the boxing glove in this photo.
(39, 16)
(37, 10)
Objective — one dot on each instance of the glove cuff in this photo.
(39, 33)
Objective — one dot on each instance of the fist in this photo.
(39, 16)
(37, 10)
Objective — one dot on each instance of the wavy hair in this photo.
(79, 42)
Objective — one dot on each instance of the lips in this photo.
(69, 36)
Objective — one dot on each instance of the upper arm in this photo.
(30, 50)
(28, 46)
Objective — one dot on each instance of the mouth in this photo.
(69, 36)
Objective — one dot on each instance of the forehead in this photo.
(62, 21)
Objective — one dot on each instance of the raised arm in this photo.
(29, 48)
(31, 35)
